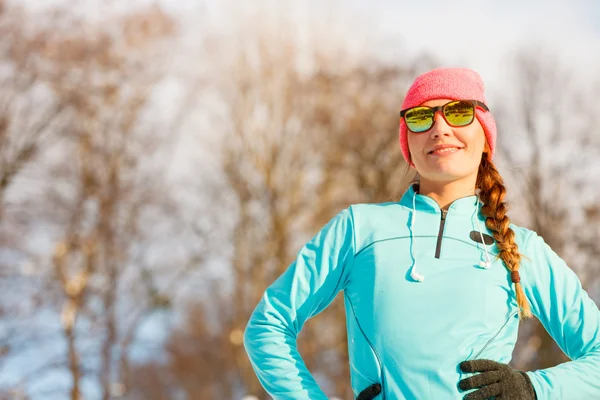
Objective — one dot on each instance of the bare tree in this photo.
(111, 183)
(29, 115)
(103, 190)
(21, 136)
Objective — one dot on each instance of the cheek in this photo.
(415, 144)
(474, 139)
(476, 136)
(479, 146)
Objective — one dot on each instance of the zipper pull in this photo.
(444, 212)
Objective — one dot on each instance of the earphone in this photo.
(413, 273)
(487, 264)
(417, 276)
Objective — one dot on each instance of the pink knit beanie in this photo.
(453, 84)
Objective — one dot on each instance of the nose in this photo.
(440, 126)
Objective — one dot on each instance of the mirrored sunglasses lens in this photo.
(419, 119)
(459, 113)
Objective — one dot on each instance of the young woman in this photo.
(435, 284)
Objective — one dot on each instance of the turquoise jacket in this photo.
(408, 335)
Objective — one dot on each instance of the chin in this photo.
(447, 175)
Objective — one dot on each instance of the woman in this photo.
(434, 285)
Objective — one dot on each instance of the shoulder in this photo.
(529, 241)
(524, 236)
(378, 221)
(377, 214)
(377, 208)
(539, 260)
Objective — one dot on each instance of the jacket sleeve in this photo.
(306, 288)
(572, 319)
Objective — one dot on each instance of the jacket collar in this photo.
(462, 206)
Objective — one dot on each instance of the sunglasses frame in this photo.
(475, 103)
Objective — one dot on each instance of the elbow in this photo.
(247, 338)
(250, 336)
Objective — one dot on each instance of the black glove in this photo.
(370, 393)
(496, 379)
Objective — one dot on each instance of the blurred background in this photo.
(162, 162)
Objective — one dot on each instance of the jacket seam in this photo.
(370, 346)
(353, 222)
(421, 236)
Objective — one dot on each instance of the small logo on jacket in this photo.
(476, 237)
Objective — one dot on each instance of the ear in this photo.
(410, 161)
(486, 147)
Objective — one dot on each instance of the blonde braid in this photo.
(492, 194)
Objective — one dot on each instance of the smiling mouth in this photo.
(446, 150)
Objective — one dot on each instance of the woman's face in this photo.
(445, 153)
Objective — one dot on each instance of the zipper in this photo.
(496, 335)
(383, 396)
(438, 247)
(485, 346)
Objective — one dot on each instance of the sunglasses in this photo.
(456, 113)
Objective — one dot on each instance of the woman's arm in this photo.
(572, 319)
(306, 288)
